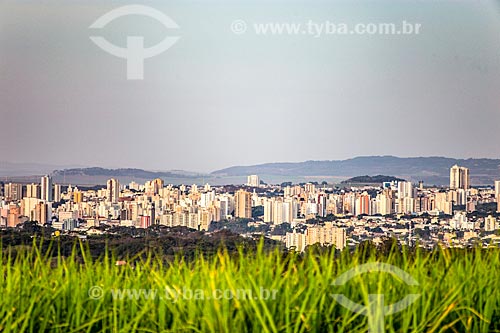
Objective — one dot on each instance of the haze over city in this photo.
(217, 99)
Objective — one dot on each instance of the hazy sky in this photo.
(217, 99)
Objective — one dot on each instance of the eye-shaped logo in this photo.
(135, 52)
(376, 310)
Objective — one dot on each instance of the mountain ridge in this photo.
(130, 172)
(432, 169)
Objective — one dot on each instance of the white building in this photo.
(46, 188)
(112, 190)
(296, 240)
(253, 181)
(490, 224)
(459, 178)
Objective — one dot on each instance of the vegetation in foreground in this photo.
(159, 241)
(459, 291)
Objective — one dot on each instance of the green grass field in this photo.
(247, 292)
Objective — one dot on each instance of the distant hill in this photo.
(432, 170)
(378, 179)
(97, 175)
(138, 173)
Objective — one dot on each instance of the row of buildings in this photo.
(143, 205)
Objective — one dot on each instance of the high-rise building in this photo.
(386, 202)
(134, 186)
(268, 210)
(296, 240)
(153, 187)
(70, 224)
(362, 206)
(207, 198)
(441, 203)
(28, 207)
(310, 188)
(406, 205)
(490, 223)
(405, 190)
(13, 218)
(253, 181)
(422, 204)
(204, 220)
(406, 194)
(497, 188)
(33, 191)
(42, 213)
(112, 190)
(498, 203)
(461, 197)
(13, 192)
(223, 204)
(57, 192)
(145, 221)
(243, 204)
(459, 178)
(46, 189)
(327, 235)
(278, 217)
(77, 196)
(290, 209)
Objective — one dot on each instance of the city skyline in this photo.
(156, 202)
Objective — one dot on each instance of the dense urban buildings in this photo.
(298, 215)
